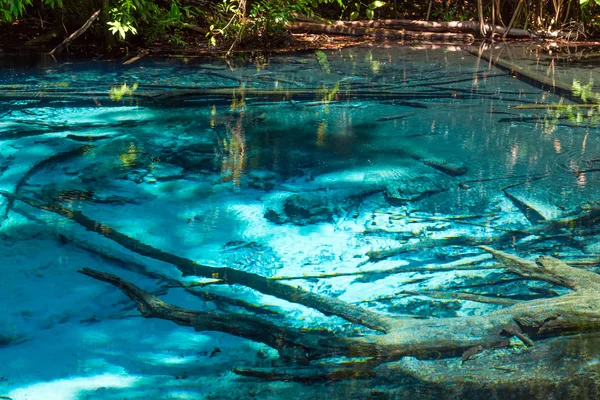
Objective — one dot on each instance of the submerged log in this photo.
(529, 210)
(310, 374)
(553, 106)
(574, 224)
(562, 368)
(534, 78)
(437, 294)
(464, 264)
(57, 158)
(298, 295)
(528, 321)
(577, 312)
(289, 341)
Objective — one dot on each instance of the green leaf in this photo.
(377, 4)
(370, 13)
(353, 15)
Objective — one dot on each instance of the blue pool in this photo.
(327, 211)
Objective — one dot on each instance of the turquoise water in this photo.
(357, 171)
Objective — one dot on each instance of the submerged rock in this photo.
(401, 192)
(305, 209)
(193, 161)
(167, 172)
(309, 209)
(275, 217)
(11, 339)
(262, 180)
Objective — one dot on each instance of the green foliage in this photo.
(264, 21)
(454, 12)
(585, 92)
(584, 3)
(117, 93)
(269, 17)
(129, 16)
(355, 8)
(13, 9)
(122, 28)
(323, 62)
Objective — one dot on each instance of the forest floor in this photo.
(16, 39)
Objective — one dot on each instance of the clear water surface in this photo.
(295, 166)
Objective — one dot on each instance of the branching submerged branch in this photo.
(526, 321)
(326, 305)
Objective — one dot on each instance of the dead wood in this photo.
(292, 342)
(458, 27)
(379, 33)
(574, 223)
(561, 367)
(75, 34)
(130, 264)
(219, 298)
(46, 37)
(57, 158)
(465, 264)
(324, 304)
(552, 106)
(195, 28)
(540, 80)
(576, 312)
(437, 294)
(309, 374)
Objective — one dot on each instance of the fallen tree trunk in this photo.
(528, 321)
(298, 295)
(536, 79)
(380, 33)
(463, 27)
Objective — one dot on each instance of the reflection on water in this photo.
(355, 174)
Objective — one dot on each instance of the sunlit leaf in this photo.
(378, 3)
